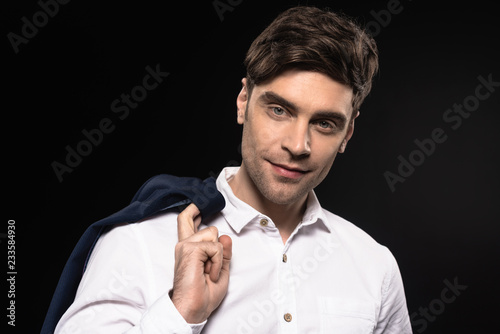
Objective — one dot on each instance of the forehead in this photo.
(308, 91)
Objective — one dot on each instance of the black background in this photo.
(440, 223)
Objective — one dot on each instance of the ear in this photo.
(241, 102)
(350, 131)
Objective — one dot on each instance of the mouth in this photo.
(289, 171)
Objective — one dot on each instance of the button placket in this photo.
(288, 286)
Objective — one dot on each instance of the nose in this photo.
(297, 139)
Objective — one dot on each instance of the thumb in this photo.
(219, 271)
(227, 253)
(227, 244)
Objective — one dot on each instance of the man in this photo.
(272, 261)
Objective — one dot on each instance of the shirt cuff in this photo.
(164, 318)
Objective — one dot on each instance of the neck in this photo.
(286, 217)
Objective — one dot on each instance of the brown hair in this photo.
(317, 40)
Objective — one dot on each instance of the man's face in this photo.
(293, 127)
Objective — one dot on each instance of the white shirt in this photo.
(329, 277)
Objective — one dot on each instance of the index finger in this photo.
(188, 221)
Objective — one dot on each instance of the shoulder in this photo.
(131, 242)
(141, 252)
(161, 227)
(356, 241)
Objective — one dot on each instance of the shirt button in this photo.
(288, 317)
(263, 222)
(285, 258)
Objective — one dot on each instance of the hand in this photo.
(201, 274)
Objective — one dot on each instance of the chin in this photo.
(283, 194)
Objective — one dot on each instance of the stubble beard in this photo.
(275, 189)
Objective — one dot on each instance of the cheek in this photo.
(259, 136)
(324, 154)
(252, 143)
(327, 163)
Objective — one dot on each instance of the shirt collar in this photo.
(238, 213)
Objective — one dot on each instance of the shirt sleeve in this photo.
(162, 317)
(119, 291)
(155, 321)
(393, 318)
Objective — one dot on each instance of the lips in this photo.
(289, 171)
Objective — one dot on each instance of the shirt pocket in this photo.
(346, 316)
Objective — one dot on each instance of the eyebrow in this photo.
(272, 97)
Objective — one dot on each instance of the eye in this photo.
(325, 125)
(278, 111)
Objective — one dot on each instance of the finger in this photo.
(208, 266)
(188, 221)
(208, 255)
(220, 261)
(216, 260)
(209, 234)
